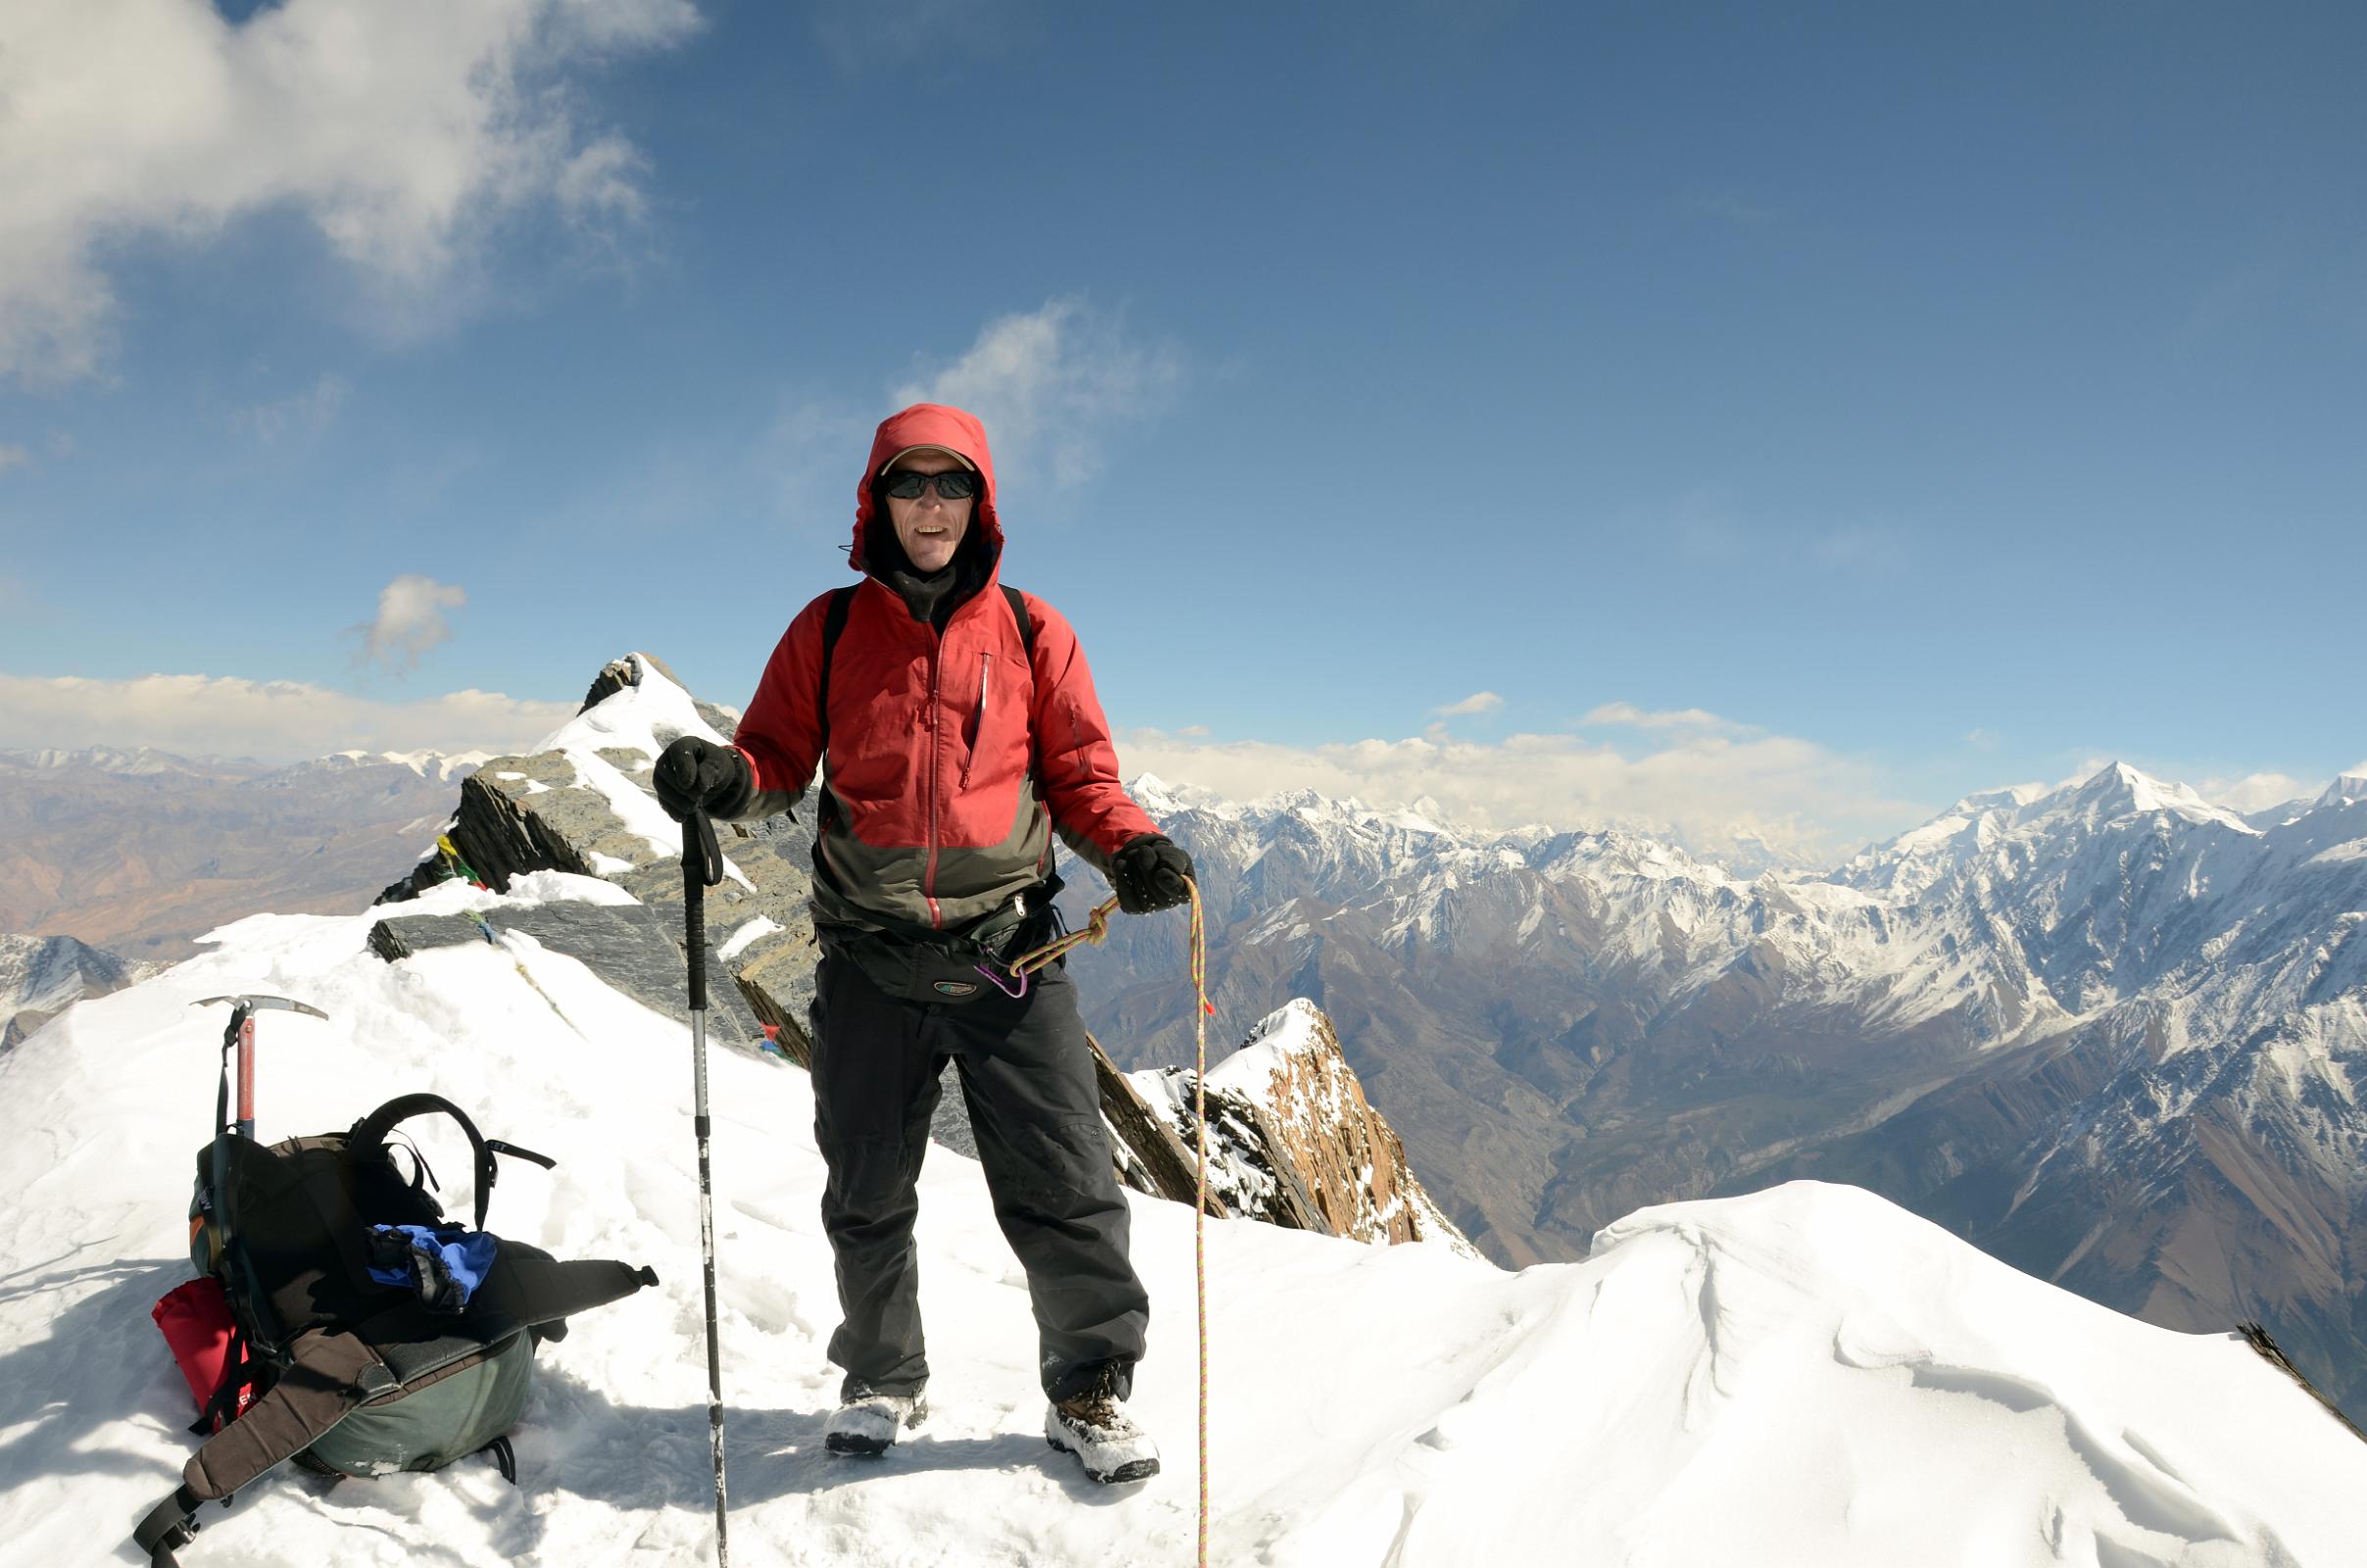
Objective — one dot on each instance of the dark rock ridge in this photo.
(1299, 1146)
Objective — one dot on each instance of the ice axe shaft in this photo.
(702, 868)
(242, 1030)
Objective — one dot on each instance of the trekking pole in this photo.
(702, 868)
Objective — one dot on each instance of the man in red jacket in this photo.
(959, 740)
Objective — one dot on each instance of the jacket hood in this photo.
(930, 424)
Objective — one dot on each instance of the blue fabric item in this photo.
(446, 1264)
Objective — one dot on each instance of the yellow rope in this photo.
(1200, 1207)
(1097, 927)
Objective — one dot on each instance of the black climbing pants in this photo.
(1028, 1076)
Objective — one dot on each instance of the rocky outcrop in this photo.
(1293, 1138)
(582, 804)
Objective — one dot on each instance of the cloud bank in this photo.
(280, 720)
(1750, 803)
(399, 130)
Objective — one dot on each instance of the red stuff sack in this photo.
(197, 1324)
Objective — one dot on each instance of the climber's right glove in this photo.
(696, 775)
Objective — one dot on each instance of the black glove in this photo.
(1149, 874)
(694, 774)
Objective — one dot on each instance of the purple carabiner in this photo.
(1000, 986)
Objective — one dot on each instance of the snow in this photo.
(1806, 1375)
(741, 940)
(436, 767)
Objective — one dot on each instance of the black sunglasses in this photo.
(955, 484)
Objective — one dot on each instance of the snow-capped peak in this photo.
(2118, 790)
(642, 717)
(436, 767)
(2346, 787)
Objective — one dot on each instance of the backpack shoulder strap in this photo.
(336, 1375)
(368, 1136)
(834, 623)
(1018, 612)
(1027, 641)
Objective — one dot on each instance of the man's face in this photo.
(929, 526)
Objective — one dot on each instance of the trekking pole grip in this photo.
(702, 869)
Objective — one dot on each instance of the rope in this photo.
(1096, 928)
(1200, 1208)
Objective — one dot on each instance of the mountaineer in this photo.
(962, 733)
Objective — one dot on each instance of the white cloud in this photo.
(602, 186)
(411, 621)
(14, 458)
(1742, 801)
(400, 131)
(273, 721)
(1629, 715)
(1476, 703)
(1051, 386)
(2256, 792)
(306, 412)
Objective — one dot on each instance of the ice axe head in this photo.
(246, 1005)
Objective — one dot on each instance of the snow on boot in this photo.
(1095, 1426)
(868, 1420)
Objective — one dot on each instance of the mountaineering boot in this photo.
(868, 1420)
(1094, 1426)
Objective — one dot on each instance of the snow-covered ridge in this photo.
(1808, 1376)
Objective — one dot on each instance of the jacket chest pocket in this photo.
(994, 719)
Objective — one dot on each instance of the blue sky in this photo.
(1759, 428)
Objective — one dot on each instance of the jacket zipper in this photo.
(977, 730)
(928, 882)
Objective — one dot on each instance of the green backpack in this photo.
(330, 1365)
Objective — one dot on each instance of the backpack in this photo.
(299, 1346)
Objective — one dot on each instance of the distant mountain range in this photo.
(141, 852)
(2113, 1032)
(41, 977)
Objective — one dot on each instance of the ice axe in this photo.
(702, 868)
(241, 1033)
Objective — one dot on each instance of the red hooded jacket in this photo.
(935, 816)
